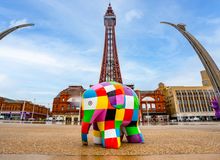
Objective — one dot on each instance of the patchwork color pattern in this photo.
(113, 109)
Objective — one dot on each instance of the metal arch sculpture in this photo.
(8, 31)
(207, 61)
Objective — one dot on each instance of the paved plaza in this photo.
(43, 141)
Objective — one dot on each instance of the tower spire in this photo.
(110, 69)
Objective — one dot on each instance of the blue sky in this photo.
(65, 46)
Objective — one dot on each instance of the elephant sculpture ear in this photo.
(89, 100)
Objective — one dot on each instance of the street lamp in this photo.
(147, 114)
(207, 61)
(32, 116)
(8, 31)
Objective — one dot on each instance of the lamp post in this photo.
(1, 108)
(207, 61)
(80, 107)
(22, 112)
(48, 106)
(146, 105)
(8, 31)
(33, 110)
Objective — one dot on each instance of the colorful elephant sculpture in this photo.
(113, 110)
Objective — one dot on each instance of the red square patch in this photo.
(111, 143)
(128, 114)
(118, 92)
(109, 125)
(85, 127)
(101, 92)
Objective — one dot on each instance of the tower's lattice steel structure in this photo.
(110, 69)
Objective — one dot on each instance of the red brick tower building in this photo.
(110, 69)
(67, 104)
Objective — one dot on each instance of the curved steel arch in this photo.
(207, 61)
(8, 31)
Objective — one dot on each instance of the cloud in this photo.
(41, 93)
(29, 57)
(132, 15)
(5, 82)
(184, 72)
(3, 78)
(18, 22)
(40, 67)
(48, 54)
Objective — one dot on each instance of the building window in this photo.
(181, 109)
(210, 108)
(192, 109)
(144, 106)
(153, 106)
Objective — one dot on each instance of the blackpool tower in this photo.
(110, 69)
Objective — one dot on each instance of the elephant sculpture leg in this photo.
(133, 133)
(112, 138)
(97, 138)
(122, 133)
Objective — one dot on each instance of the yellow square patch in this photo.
(101, 125)
(119, 141)
(96, 133)
(119, 114)
(102, 102)
(82, 101)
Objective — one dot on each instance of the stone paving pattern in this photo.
(65, 140)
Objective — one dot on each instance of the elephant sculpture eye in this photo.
(90, 103)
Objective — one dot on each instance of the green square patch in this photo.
(102, 134)
(88, 115)
(132, 130)
(119, 106)
(136, 103)
(118, 124)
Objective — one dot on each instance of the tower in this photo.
(110, 69)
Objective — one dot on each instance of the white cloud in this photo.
(3, 78)
(186, 72)
(25, 92)
(29, 57)
(17, 22)
(132, 15)
(48, 54)
(5, 82)
(142, 75)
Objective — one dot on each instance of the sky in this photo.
(65, 46)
